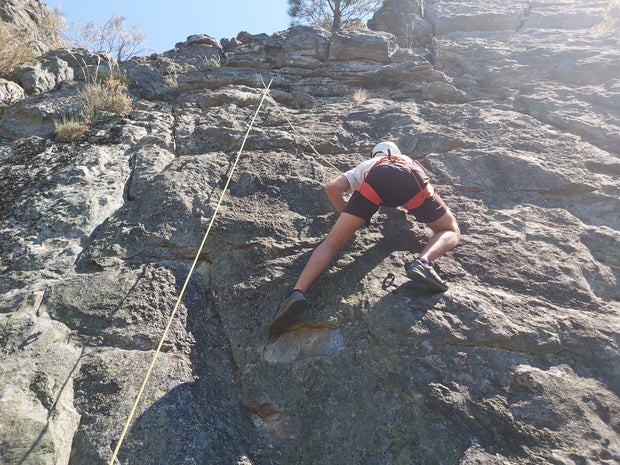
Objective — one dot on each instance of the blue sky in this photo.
(166, 22)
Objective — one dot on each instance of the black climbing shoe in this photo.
(426, 275)
(288, 312)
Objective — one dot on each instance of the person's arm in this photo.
(334, 190)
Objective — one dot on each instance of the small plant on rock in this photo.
(70, 130)
(359, 97)
(102, 91)
(105, 91)
(109, 94)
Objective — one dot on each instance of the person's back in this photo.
(391, 179)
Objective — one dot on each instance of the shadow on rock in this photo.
(201, 421)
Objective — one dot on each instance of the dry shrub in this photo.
(359, 97)
(52, 26)
(70, 130)
(14, 48)
(112, 37)
(107, 95)
(16, 41)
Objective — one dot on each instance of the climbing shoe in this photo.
(288, 312)
(422, 272)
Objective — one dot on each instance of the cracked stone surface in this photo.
(513, 109)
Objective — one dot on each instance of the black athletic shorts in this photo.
(395, 185)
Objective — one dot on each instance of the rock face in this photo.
(512, 107)
(31, 16)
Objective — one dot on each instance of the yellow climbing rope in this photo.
(204, 239)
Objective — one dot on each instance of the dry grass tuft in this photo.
(107, 95)
(70, 130)
(15, 48)
(359, 97)
(16, 42)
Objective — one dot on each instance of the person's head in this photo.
(386, 148)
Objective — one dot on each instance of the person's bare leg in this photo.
(343, 230)
(445, 236)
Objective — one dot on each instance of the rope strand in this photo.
(298, 133)
(204, 239)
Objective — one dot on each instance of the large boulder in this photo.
(304, 47)
(361, 45)
(404, 19)
(453, 16)
(62, 65)
(10, 93)
(40, 114)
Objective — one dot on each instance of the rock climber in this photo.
(388, 178)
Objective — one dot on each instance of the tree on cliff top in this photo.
(334, 15)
